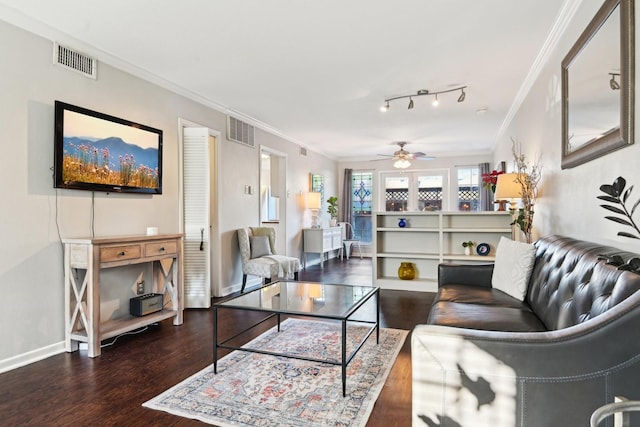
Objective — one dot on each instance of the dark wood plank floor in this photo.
(72, 389)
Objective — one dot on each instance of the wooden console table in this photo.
(83, 261)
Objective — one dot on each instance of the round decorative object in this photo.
(483, 249)
(407, 271)
(402, 223)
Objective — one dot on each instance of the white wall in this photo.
(31, 276)
(567, 204)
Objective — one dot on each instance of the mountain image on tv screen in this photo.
(126, 157)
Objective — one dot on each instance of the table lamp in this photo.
(508, 188)
(314, 203)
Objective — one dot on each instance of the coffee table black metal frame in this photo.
(343, 317)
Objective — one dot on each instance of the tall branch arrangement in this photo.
(528, 178)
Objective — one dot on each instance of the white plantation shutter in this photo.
(196, 193)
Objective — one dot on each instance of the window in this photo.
(414, 191)
(361, 205)
(468, 188)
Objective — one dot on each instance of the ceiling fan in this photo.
(402, 158)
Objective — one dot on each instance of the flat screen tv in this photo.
(98, 152)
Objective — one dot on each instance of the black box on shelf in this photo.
(145, 304)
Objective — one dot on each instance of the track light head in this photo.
(613, 84)
(385, 107)
(410, 103)
(435, 102)
(462, 95)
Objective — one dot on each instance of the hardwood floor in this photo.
(72, 389)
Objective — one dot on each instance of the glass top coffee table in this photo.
(305, 299)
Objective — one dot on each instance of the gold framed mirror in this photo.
(598, 79)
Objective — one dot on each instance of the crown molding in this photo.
(565, 16)
(39, 28)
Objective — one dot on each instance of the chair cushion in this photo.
(513, 266)
(260, 246)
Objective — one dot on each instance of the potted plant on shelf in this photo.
(332, 210)
(467, 247)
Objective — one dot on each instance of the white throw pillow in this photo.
(260, 246)
(513, 267)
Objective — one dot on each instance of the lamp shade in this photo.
(314, 200)
(508, 187)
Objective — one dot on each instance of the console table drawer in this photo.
(160, 248)
(120, 253)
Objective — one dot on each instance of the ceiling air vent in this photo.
(241, 132)
(76, 61)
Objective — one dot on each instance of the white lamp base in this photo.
(314, 218)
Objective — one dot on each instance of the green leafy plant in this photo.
(332, 209)
(467, 244)
(616, 193)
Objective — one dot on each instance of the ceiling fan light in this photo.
(401, 163)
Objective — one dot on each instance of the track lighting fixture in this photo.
(613, 84)
(423, 92)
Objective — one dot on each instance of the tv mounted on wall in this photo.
(98, 152)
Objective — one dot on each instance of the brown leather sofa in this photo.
(485, 358)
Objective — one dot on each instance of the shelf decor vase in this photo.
(402, 223)
(406, 271)
(467, 250)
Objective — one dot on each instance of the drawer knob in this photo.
(162, 249)
(123, 253)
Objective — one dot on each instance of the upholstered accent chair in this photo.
(259, 257)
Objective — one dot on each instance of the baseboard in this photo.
(31, 356)
(235, 287)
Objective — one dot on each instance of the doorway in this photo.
(199, 220)
(273, 187)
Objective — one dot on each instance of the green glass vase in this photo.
(407, 271)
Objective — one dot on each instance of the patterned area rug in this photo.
(260, 390)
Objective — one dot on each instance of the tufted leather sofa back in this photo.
(569, 285)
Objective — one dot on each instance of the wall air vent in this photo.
(76, 61)
(303, 151)
(240, 132)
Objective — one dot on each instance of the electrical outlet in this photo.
(141, 287)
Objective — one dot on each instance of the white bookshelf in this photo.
(429, 239)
